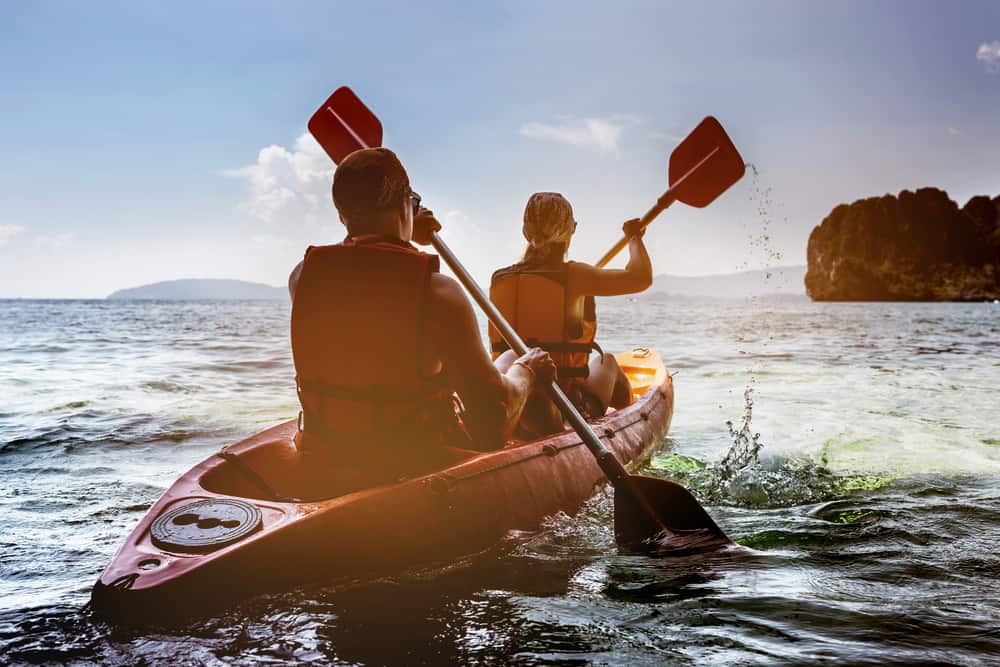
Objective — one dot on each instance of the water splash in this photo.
(760, 240)
(744, 453)
(760, 252)
(739, 476)
(742, 478)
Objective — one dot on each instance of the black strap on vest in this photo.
(434, 390)
(564, 372)
(372, 394)
(500, 346)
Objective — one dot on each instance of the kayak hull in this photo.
(437, 517)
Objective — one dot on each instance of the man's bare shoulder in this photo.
(446, 298)
(453, 332)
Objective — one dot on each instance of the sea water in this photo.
(855, 448)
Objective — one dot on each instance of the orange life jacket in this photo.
(534, 301)
(357, 326)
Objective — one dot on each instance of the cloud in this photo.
(7, 232)
(954, 131)
(989, 54)
(666, 136)
(288, 186)
(476, 245)
(600, 133)
(54, 240)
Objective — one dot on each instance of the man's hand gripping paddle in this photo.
(702, 167)
(650, 514)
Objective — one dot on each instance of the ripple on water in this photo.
(890, 562)
(168, 387)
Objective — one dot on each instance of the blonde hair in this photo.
(550, 253)
(548, 226)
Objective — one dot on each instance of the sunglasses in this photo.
(415, 202)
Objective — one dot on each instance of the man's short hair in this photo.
(368, 182)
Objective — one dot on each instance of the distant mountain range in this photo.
(782, 282)
(779, 281)
(193, 288)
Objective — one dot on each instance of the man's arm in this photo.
(493, 401)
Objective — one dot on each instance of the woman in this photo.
(550, 302)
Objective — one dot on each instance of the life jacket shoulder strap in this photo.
(557, 274)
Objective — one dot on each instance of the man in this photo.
(382, 341)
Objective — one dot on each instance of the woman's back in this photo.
(550, 303)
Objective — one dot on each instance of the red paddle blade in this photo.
(659, 515)
(343, 124)
(705, 164)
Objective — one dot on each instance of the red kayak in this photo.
(236, 524)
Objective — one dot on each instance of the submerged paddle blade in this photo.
(343, 124)
(705, 164)
(662, 516)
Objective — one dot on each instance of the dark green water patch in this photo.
(778, 539)
(773, 482)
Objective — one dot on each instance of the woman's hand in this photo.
(424, 224)
(632, 229)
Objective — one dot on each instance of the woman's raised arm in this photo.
(637, 275)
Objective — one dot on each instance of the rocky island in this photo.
(917, 246)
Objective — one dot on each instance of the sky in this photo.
(152, 141)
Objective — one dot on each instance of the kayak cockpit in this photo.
(276, 470)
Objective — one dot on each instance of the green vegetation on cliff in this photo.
(919, 246)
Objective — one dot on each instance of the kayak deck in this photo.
(465, 506)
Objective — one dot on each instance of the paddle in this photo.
(649, 512)
(702, 167)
